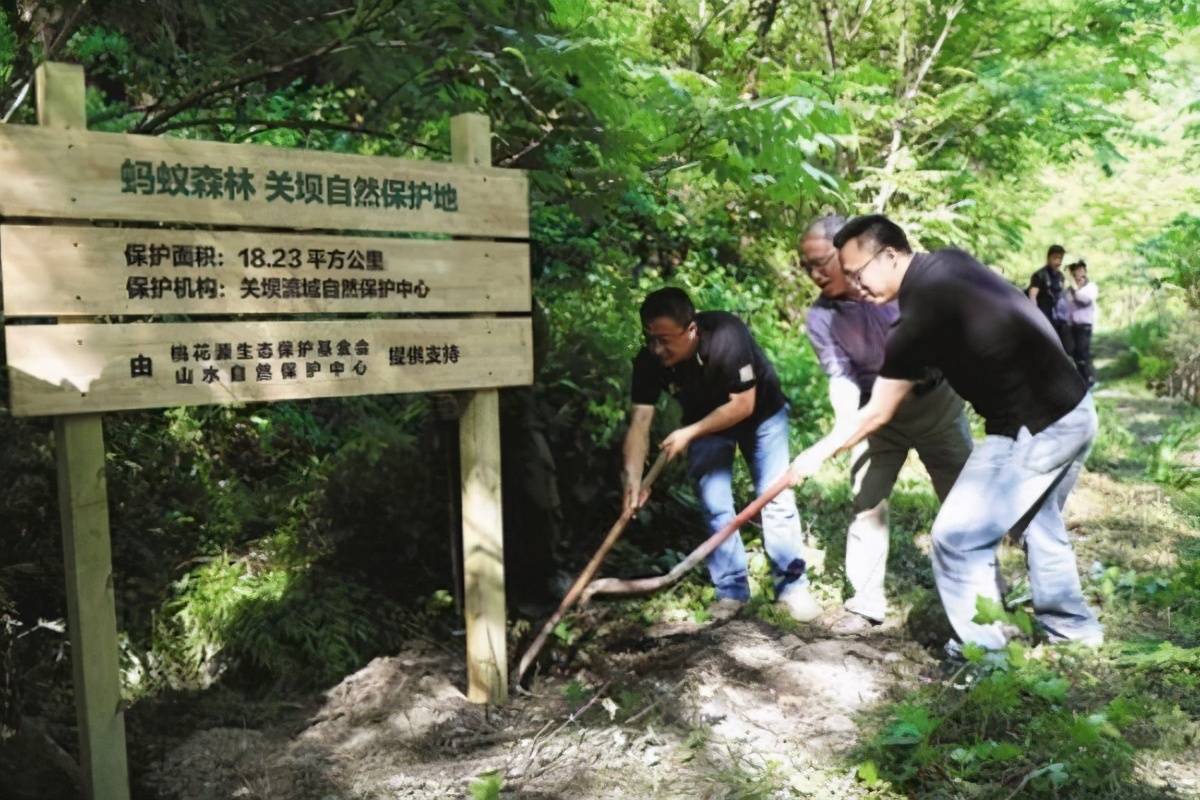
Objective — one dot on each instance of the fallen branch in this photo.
(672, 693)
(536, 745)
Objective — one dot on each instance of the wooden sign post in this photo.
(339, 257)
(482, 520)
(87, 549)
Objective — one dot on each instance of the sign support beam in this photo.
(482, 517)
(83, 509)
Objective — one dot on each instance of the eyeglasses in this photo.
(663, 339)
(809, 266)
(855, 275)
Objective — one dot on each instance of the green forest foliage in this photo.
(686, 141)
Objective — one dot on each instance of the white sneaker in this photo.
(876, 613)
(799, 603)
(848, 624)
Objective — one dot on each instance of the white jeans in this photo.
(935, 426)
(1016, 485)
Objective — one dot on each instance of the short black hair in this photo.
(1080, 264)
(1056, 250)
(671, 302)
(874, 228)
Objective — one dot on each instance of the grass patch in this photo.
(1060, 721)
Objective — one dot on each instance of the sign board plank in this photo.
(71, 369)
(54, 270)
(77, 174)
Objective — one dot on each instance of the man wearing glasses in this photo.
(1002, 356)
(848, 336)
(731, 400)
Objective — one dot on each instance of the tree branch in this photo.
(758, 52)
(764, 27)
(65, 31)
(24, 34)
(699, 34)
(21, 95)
(824, 9)
(915, 86)
(860, 17)
(295, 124)
(153, 123)
(888, 187)
(524, 151)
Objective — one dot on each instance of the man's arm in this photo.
(1032, 291)
(845, 398)
(637, 444)
(844, 395)
(886, 396)
(739, 407)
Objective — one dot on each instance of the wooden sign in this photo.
(61, 270)
(58, 172)
(77, 174)
(70, 369)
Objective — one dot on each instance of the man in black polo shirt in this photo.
(1002, 356)
(1047, 290)
(731, 400)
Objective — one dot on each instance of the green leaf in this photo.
(974, 653)
(487, 786)
(868, 773)
(902, 733)
(1052, 689)
(1023, 621)
(515, 52)
(988, 610)
(565, 633)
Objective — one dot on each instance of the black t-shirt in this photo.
(1049, 283)
(989, 341)
(727, 361)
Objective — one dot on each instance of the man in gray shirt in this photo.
(848, 336)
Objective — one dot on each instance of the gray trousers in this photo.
(935, 426)
(1018, 485)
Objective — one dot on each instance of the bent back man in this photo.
(1001, 355)
(731, 401)
(848, 336)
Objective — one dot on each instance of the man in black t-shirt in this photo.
(1002, 356)
(1047, 290)
(731, 400)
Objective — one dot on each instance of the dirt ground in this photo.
(694, 715)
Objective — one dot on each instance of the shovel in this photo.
(653, 584)
(589, 571)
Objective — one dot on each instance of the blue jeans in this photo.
(1017, 485)
(710, 466)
